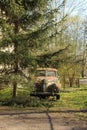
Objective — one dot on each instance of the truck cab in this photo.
(47, 83)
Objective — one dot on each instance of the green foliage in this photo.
(23, 24)
(5, 94)
(30, 29)
(75, 98)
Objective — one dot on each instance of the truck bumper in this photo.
(45, 94)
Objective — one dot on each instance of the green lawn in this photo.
(75, 99)
(71, 98)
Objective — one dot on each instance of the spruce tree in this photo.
(23, 25)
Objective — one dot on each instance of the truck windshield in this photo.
(40, 73)
(51, 73)
(46, 73)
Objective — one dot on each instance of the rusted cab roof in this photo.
(50, 69)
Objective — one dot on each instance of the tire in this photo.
(58, 97)
(53, 89)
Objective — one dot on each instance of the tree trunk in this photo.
(16, 30)
(14, 90)
(83, 66)
(64, 82)
(71, 82)
(78, 83)
(82, 73)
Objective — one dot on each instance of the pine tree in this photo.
(21, 24)
(27, 27)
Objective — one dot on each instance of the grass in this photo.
(71, 98)
(5, 94)
(74, 98)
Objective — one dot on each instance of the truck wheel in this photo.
(58, 97)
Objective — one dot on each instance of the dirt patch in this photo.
(28, 120)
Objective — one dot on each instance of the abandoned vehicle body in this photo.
(47, 83)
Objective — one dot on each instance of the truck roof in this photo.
(50, 69)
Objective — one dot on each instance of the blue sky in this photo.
(77, 7)
(74, 7)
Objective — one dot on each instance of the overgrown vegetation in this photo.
(75, 98)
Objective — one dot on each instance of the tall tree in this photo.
(26, 26)
(22, 24)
